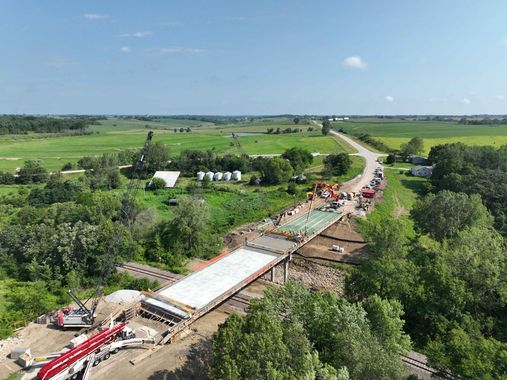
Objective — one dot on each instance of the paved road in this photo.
(83, 170)
(369, 156)
(270, 155)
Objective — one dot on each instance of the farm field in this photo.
(116, 135)
(394, 133)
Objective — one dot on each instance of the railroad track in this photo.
(166, 276)
(418, 364)
(170, 278)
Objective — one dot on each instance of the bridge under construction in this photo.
(180, 303)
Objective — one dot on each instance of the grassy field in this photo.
(396, 132)
(401, 192)
(114, 135)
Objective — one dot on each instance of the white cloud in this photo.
(355, 62)
(95, 16)
(390, 99)
(125, 49)
(180, 51)
(500, 97)
(466, 101)
(136, 34)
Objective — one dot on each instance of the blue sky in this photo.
(253, 57)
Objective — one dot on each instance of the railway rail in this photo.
(169, 278)
(422, 366)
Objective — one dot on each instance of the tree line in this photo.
(17, 124)
(485, 121)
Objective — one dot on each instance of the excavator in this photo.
(83, 316)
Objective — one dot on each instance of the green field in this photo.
(115, 135)
(400, 194)
(395, 132)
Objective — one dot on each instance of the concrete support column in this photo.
(286, 269)
(273, 274)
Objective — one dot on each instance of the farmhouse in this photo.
(422, 171)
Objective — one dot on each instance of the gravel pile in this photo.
(124, 296)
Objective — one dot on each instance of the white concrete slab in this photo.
(200, 288)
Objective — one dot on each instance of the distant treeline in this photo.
(486, 121)
(17, 124)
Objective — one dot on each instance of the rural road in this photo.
(83, 170)
(370, 158)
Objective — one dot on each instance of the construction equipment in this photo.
(81, 316)
(78, 361)
(319, 189)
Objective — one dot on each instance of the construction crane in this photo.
(82, 316)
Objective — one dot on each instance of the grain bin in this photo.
(200, 176)
(218, 176)
(209, 175)
(236, 175)
(227, 176)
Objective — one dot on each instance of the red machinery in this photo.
(368, 193)
(322, 187)
(80, 352)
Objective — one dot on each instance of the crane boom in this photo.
(127, 208)
(82, 316)
(126, 213)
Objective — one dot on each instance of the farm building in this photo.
(417, 160)
(169, 177)
(422, 171)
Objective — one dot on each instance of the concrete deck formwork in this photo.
(201, 288)
(317, 221)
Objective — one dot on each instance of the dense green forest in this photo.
(294, 333)
(17, 124)
(478, 170)
(451, 279)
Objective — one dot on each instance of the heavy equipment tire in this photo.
(107, 356)
(96, 362)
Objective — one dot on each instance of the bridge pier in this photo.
(286, 269)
